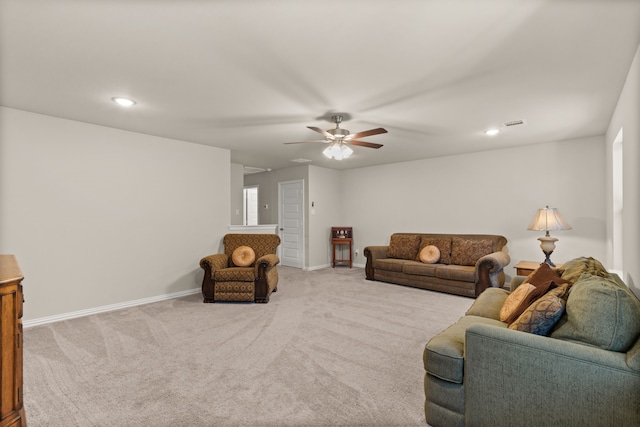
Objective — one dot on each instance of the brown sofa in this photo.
(468, 263)
(225, 281)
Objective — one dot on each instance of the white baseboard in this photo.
(105, 308)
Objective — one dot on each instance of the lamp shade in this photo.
(548, 219)
(338, 151)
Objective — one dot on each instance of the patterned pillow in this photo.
(541, 316)
(429, 254)
(404, 246)
(467, 252)
(544, 279)
(514, 299)
(243, 256)
(443, 244)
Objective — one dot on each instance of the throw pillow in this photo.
(541, 316)
(243, 256)
(443, 244)
(404, 246)
(514, 299)
(601, 311)
(467, 252)
(544, 279)
(429, 254)
(572, 270)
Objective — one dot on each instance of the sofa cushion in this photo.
(404, 246)
(442, 243)
(572, 270)
(444, 353)
(541, 316)
(430, 254)
(514, 300)
(456, 272)
(467, 252)
(389, 264)
(489, 303)
(419, 268)
(602, 312)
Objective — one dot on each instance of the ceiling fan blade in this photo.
(322, 132)
(304, 142)
(363, 143)
(366, 133)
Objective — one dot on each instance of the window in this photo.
(250, 205)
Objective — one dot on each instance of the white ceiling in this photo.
(250, 75)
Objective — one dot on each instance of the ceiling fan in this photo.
(339, 138)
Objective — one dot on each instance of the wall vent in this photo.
(301, 160)
(515, 123)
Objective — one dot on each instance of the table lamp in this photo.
(548, 219)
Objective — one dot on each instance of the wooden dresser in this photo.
(11, 404)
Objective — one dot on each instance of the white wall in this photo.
(494, 192)
(627, 116)
(237, 196)
(98, 216)
(326, 212)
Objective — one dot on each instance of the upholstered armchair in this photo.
(225, 280)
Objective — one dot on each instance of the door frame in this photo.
(303, 219)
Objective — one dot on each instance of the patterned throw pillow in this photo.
(514, 299)
(442, 243)
(404, 246)
(467, 252)
(429, 254)
(541, 316)
(544, 279)
(243, 256)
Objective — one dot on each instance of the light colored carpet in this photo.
(330, 349)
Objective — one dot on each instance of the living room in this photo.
(101, 217)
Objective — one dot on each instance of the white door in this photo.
(291, 223)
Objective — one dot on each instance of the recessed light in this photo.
(125, 102)
(492, 132)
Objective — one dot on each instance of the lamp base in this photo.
(547, 259)
(548, 245)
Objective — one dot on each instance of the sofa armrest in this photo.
(372, 253)
(513, 378)
(489, 271)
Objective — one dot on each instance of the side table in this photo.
(341, 236)
(525, 268)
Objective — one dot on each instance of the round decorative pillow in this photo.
(243, 256)
(430, 254)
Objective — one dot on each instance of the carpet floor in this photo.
(330, 349)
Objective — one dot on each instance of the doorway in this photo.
(291, 223)
(250, 205)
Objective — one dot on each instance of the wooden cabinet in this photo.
(342, 238)
(11, 404)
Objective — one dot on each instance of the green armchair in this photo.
(224, 281)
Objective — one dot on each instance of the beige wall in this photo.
(236, 196)
(627, 117)
(326, 212)
(98, 216)
(494, 192)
